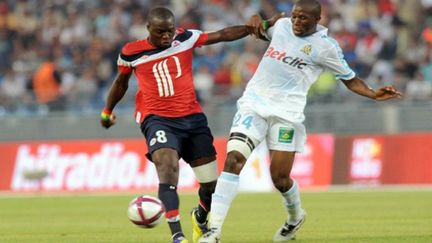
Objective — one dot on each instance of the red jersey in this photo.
(165, 78)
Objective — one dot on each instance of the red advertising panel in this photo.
(313, 167)
(80, 166)
(115, 165)
(408, 159)
(366, 162)
(390, 159)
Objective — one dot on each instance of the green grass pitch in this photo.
(344, 216)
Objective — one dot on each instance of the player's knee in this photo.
(234, 162)
(282, 182)
(166, 162)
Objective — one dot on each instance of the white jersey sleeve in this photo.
(332, 58)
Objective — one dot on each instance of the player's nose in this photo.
(166, 36)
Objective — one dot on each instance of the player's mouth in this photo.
(165, 43)
(298, 29)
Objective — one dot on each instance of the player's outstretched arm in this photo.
(255, 26)
(359, 86)
(228, 34)
(115, 94)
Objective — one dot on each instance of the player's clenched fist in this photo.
(259, 26)
(107, 118)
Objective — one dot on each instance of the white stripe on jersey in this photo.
(158, 79)
(183, 46)
(179, 71)
(168, 76)
(163, 77)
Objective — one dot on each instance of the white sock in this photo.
(225, 192)
(291, 199)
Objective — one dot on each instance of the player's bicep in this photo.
(122, 81)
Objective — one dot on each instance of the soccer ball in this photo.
(146, 211)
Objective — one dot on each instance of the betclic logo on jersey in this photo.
(282, 56)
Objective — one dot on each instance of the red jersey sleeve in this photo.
(202, 39)
(123, 65)
(124, 69)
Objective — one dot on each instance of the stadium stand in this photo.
(76, 43)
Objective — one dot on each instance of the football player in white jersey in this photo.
(271, 109)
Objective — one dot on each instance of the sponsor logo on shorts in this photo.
(286, 135)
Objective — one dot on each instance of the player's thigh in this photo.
(197, 143)
(159, 134)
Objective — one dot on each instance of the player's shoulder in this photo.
(283, 22)
(135, 47)
(182, 34)
(327, 42)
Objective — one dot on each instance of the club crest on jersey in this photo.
(175, 43)
(286, 135)
(307, 49)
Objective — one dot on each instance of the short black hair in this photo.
(313, 5)
(159, 13)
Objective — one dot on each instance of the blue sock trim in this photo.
(229, 177)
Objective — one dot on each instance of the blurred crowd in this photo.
(60, 55)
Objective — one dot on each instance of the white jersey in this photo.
(290, 66)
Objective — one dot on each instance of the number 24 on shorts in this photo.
(246, 121)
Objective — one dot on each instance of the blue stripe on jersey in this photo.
(344, 76)
(184, 36)
(131, 58)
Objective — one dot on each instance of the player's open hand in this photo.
(386, 93)
(107, 122)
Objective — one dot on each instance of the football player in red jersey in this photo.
(166, 107)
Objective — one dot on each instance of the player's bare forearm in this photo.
(229, 34)
(358, 86)
(117, 90)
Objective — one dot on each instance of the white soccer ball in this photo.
(146, 211)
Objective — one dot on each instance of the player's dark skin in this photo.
(304, 17)
(161, 35)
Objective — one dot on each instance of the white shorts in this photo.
(285, 133)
